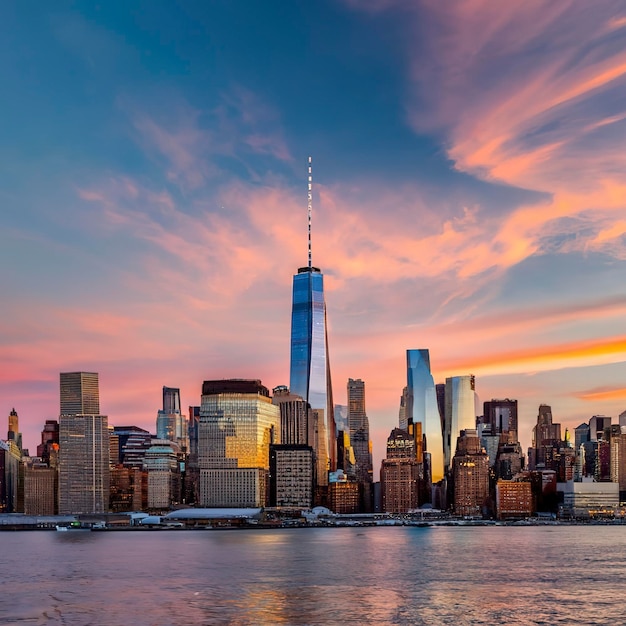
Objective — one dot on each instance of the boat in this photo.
(71, 527)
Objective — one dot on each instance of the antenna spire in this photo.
(309, 208)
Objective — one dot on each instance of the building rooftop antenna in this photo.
(309, 208)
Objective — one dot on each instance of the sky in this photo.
(469, 198)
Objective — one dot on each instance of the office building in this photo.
(48, 449)
(14, 433)
(84, 446)
(460, 412)
(309, 366)
(546, 440)
(238, 423)
(514, 499)
(171, 424)
(292, 469)
(588, 499)
(343, 493)
(597, 425)
(501, 415)
(422, 409)
(400, 474)
(358, 425)
(470, 472)
(297, 424)
(79, 393)
(40, 489)
(160, 464)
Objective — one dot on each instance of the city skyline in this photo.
(469, 200)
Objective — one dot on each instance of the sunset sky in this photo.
(470, 189)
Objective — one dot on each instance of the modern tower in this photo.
(171, 424)
(309, 375)
(421, 408)
(359, 430)
(84, 446)
(460, 412)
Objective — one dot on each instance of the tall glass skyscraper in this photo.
(460, 412)
(421, 407)
(309, 375)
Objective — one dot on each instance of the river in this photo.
(394, 575)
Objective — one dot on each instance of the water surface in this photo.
(393, 575)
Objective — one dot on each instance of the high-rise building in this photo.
(309, 374)
(238, 422)
(597, 426)
(40, 489)
(84, 446)
(171, 424)
(80, 394)
(546, 438)
(358, 424)
(400, 474)
(470, 470)
(460, 412)
(501, 415)
(160, 463)
(297, 425)
(292, 470)
(48, 449)
(421, 408)
(14, 433)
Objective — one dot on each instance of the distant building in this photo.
(40, 489)
(400, 474)
(238, 422)
(171, 424)
(470, 472)
(618, 463)
(309, 369)
(84, 446)
(360, 443)
(48, 449)
(160, 464)
(343, 494)
(501, 415)
(422, 409)
(514, 499)
(292, 469)
(589, 499)
(460, 412)
(128, 489)
(546, 441)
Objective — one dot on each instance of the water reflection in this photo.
(316, 576)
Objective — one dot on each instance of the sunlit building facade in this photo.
(460, 412)
(237, 424)
(421, 408)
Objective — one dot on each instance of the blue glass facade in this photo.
(309, 375)
(422, 407)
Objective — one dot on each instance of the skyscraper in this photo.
(501, 415)
(309, 374)
(83, 446)
(421, 408)
(80, 394)
(238, 422)
(359, 430)
(171, 424)
(460, 412)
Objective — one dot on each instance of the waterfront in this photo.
(400, 575)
